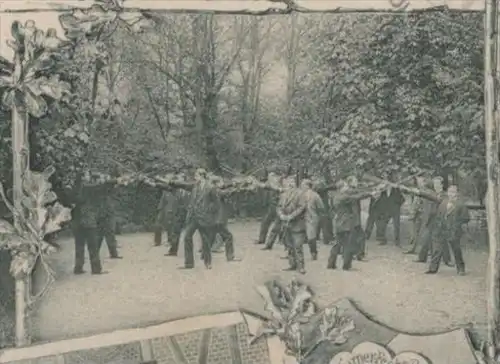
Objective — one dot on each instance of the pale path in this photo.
(147, 287)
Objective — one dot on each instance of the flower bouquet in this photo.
(297, 321)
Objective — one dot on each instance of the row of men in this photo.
(437, 221)
(192, 207)
(199, 210)
(442, 216)
(205, 212)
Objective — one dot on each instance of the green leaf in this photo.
(38, 189)
(135, 21)
(38, 38)
(52, 87)
(6, 228)
(6, 81)
(300, 297)
(86, 22)
(22, 264)
(8, 99)
(17, 31)
(269, 305)
(47, 249)
(35, 104)
(57, 215)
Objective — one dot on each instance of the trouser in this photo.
(275, 233)
(359, 242)
(396, 222)
(86, 236)
(442, 244)
(266, 224)
(428, 242)
(375, 219)
(313, 246)
(174, 232)
(227, 240)
(416, 225)
(207, 237)
(295, 241)
(106, 230)
(326, 227)
(344, 243)
(158, 230)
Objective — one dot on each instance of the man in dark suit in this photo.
(326, 225)
(221, 228)
(350, 235)
(86, 200)
(292, 210)
(430, 212)
(172, 216)
(384, 208)
(106, 223)
(202, 215)
(452, 215)
(272, 198)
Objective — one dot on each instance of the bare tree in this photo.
(197, 62)
(252, 69)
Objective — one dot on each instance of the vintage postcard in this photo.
(249, 182)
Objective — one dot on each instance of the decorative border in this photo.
(276, 348)
(252, 7)
(256, 7)
(121, 337)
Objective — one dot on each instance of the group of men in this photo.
(93, 220)
(299, 215)
(198, 206)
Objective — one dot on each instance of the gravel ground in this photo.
(146, 287)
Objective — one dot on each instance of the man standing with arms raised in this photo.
(222, 220)
(314, 216)
(429, 219)
(350, 235)
(292, 213)
(272, 198)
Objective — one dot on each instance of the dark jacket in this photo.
(387, 204)
(89, 202)
(204, 204)
(449, 219)
(293, 203)
(172, 208)
(347, 209)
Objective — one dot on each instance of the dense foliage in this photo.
(353, 93)
(417, 87)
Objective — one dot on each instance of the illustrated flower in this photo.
(44, 215)
(293, 317)
(371, 353)
(21, 84)
(90, 22)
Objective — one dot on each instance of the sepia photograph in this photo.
(250, 182)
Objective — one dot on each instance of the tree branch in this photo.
(229, 65)
(155, 113)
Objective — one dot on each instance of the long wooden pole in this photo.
(20, 164)
(492, 117)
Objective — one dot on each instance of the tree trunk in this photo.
(291, 64)
(209, 127)
(95, 85)
(20, 156)
(492, 161)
